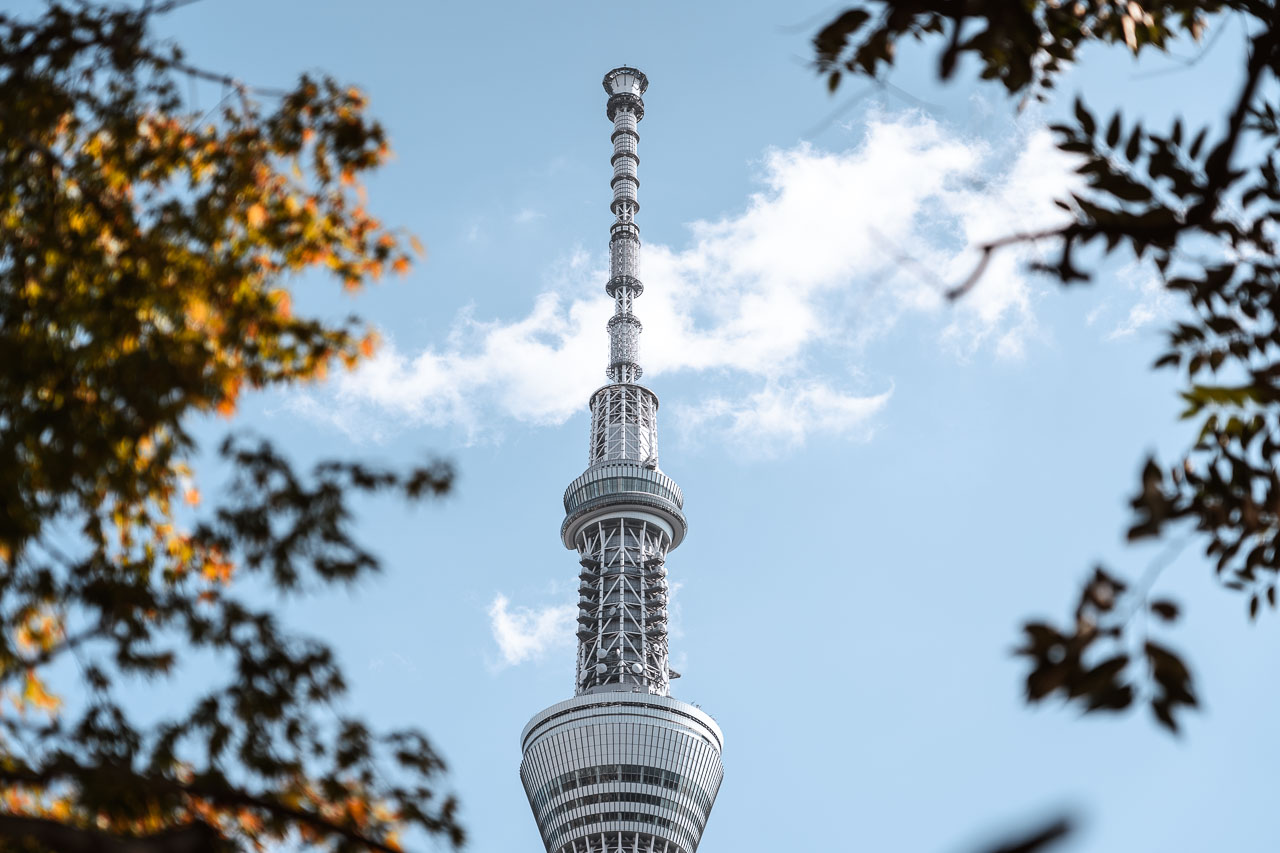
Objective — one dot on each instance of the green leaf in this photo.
(1087, 123)
(1194, 151)
(1113, 131)
(1134, 147)
(830, 42)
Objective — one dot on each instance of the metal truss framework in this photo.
(622, 607)
(622, 767)
(624, 425)
(621, 842)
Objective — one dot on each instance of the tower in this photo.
(622, 766)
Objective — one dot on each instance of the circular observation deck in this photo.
(623, 488)
(626, 80)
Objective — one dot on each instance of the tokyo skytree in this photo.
(622, 766)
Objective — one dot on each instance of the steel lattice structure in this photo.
(622, 766)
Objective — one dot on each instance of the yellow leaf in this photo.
(283, 302)
(1130, 36)
(35, 694)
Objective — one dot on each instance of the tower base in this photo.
(621, 771)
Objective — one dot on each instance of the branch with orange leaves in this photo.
(192, 832)
(65, 838)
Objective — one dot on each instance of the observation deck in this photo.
(609, 488)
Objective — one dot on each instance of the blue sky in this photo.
(880, 486)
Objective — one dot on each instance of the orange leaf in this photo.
(35, 693)
(256, 215)
(283, 302)
(401, 265)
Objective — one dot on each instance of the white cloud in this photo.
(524, 633)
(1141, 296)
(779, 417)
(778, 299)
(526, 215)
(1155, 303)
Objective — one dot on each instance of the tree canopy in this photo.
(145, 249)
(1201, 205)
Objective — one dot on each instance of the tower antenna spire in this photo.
(626, 87)
(622, 767)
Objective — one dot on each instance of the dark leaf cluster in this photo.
(143, 246)
(260, 756)
(1092, 662)
(1022, 45)
(1201, 205)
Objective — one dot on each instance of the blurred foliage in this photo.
(143, 246)
(1039, 839)
(1201, 205)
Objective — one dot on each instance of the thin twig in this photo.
(1264, 46)
(1182, 63)
(990, 248)
(1142, 587)
(838, 112)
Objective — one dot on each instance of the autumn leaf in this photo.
(35, 694)
(147, 238)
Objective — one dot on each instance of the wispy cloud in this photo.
(526, 633)
(781, 416)
(1155, 303)
(526, 215)
(773, 304)
(1141, 301)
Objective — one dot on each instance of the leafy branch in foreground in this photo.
(1202, 207)
(254, 759)
(144, 244)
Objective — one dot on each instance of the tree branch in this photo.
(1217, 171)
(214, 794)
(65, 838)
